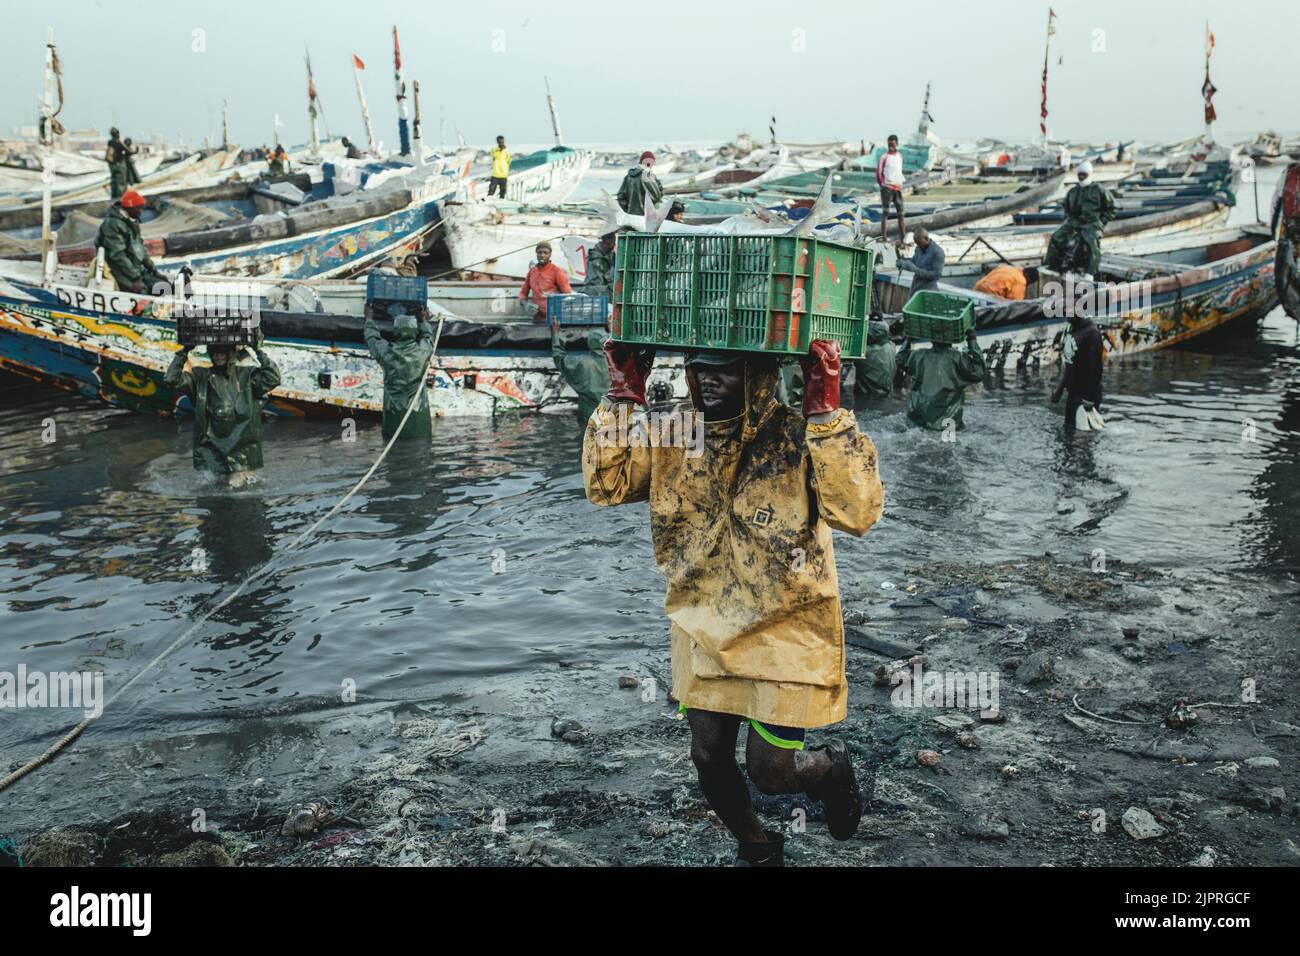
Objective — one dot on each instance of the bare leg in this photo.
(778, 770)
(713, 748)
(902, 225)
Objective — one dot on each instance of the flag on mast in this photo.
(313, 105)
(1207, 88)
(357, 67)
(403, 117)
(1051, 32)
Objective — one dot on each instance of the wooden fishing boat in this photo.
(1139, 302)
(92, 342)
(972, 252)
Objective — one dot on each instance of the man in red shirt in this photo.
(543, 277)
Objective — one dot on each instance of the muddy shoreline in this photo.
(1087, 763)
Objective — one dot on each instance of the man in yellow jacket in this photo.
(742, 532)
(500, 168)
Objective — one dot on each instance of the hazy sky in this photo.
(656, 71)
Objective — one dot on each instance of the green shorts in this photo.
(787, 738)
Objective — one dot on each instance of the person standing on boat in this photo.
(676, 212)
(1007, 282)
(278, 164)
(640, 179)
(544, 277)
(352, 151)
(889, 176)
(940, 376)
(500, 169)
(1088, 208)
(1081, 376)
(118, 169)
(926, 264)
(124, 250)
(405, 362)
(587, 373)
(228, 399)
(741, 529)
(600, 267)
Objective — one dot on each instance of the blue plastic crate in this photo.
(392, 288)
(576, 309)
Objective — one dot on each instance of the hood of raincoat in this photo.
(596, 341)
(762, 378)
(877, 333)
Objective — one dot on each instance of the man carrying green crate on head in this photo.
(228, 399)
(405, 362)
(940, 376)
(741, 524)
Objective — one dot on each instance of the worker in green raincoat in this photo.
(587, 373)
(940, 376)
(405, 362)
(876, 371)
(600, 268)
(1088, 208)
(124, 249)
(639, 181)
(228, 399)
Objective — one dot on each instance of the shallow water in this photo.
(480, 555)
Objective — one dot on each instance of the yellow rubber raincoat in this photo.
(742, 533)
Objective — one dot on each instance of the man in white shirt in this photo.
(889, 174)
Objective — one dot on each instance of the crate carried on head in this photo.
(938, 316)
(577, 309)
(384, 289)
(768, 294)
(197, 328)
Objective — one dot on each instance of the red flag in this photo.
(356, 62)
(397, 52)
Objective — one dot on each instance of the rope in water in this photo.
(63, 742)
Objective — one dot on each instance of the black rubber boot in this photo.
(839, 793)
(769, 853)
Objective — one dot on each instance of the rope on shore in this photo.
(63, 742)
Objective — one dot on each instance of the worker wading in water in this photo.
(587, 373)
(742, 532)
(939, 377)
(405, 362)
(1082, 354)
(228, 399)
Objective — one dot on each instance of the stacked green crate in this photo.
(771, 294)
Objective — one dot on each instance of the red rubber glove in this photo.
(821, 378)
(628, 368)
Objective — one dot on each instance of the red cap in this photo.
(132, 199)
(647, 155)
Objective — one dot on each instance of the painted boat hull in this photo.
(87, 341)
(1181, 305)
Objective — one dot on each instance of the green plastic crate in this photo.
(769, 294)
(938, 316)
